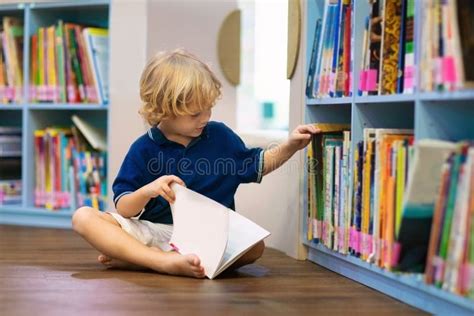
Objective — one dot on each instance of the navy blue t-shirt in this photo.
(213, 164)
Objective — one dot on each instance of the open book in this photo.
(216, 234)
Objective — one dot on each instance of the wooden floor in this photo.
(54, 272)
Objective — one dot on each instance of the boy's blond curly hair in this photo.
(176, 83)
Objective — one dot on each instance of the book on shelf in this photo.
(423, 182)
(447, 47)
(437, 232)
(10, 165)
(387, 65)
(380, 166)
(69, 63)
(412, 204)
(221, 236)
(68, 171)
(95, 136)
(364, 221)
(97, 51)
(11, 60)
(330, 69)
(328, 161)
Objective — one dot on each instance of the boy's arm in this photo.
(299, 139)
(133, 203)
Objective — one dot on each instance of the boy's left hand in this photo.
(301, 136)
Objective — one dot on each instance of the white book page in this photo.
(200, 227)
(243, 235)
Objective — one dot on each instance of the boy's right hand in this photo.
(161, 186)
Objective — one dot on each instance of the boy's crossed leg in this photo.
(104, 233)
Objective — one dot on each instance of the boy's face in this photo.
(191, 125)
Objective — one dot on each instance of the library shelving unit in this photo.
(32, 116)
(434, 115)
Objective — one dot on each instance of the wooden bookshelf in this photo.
(435, 115)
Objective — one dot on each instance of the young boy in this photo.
(178, 92)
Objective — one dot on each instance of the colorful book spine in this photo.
(391, 46)
(409, 83)
(401, 53)
(314, 56)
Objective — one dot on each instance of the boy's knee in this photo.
(260, 248)
(257, 251)
(81, 216)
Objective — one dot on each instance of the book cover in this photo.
(418, 205)
(97, 47)
(95, 136)
(375, 39)
(314, 56)
(391, 46)
(465, 17)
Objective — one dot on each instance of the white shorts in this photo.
(150, 234)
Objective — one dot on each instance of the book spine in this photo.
(409, 64)
(314, 56)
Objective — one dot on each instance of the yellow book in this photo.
(369, 139)
(400, 183)
(385, 172)
(329, 127)
(51, 62)
(41, 65)
(13, 31)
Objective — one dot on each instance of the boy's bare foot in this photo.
(173, 263)
(117, 264)
(186, 265)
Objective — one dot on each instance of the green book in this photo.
(61, 67)
(448, 218)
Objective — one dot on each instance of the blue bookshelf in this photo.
(32, 116)
(446, 116)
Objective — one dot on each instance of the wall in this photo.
(276, 202)
(126, 39)
(193, 25)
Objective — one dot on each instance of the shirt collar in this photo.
(158, 137)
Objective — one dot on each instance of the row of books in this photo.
(69, 64)
(330, 71)
(388, 60)
(329, 186)
(363, 222)
(69, 172)
(11, 60)
(387, 64)
(448, 48)
(443, 238)
(403, 207)
(381, 164)
(10, 165)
